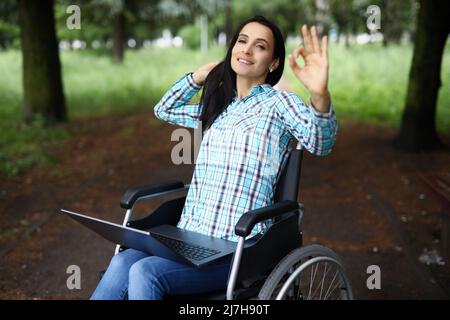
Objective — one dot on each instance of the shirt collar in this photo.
(258, 88)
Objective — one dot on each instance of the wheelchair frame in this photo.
(286, 212)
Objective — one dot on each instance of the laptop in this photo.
(164, 241)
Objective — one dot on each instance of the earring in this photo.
(270, 69)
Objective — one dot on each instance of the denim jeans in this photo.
(136, 275)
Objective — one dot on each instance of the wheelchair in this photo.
(274, 267)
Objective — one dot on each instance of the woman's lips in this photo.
(244, 62)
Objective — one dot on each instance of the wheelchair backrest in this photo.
(289, 180)
(284, 235)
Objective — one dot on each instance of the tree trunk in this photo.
(347, 39)
(392, 22)
(42, 84)
(204, 33)
(228, 20)
(119, 37)
(418, 128)
(322, 16)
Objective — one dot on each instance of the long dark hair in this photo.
(220, 84)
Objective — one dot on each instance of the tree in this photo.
(287, 14)
(9, 29)
(116, 11)
(418, 128)
(119, 36)
(395, 19)
(347, 16)
(322, 16)
(43, 89)
(229, 20)
(392, 21)
(137, 18)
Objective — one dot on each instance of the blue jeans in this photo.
(136, 275)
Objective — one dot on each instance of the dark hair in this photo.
(220, 84)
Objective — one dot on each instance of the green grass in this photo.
(95, 85)
(367, 83)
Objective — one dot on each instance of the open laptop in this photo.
(165, 241)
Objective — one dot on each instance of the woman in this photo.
(247, 128)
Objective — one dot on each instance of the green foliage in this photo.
(287, 14)
(23, 146)
(8, 31)
(191, 35)
(144, 19)
(9, 26)
(95, 22)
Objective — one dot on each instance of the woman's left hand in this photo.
(314, 74)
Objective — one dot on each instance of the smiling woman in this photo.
(252, 57)
(247, 137)
(260, 45)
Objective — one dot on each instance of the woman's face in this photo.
(252, 54)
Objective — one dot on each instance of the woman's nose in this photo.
(246, 49)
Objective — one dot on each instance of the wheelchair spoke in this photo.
(320, 284)
(336, 285)
(325, 272)
(299, 293)
(316, 290)
(310, 284)
(332, 281)
(301, 276)
(313, 277)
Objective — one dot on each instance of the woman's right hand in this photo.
(201, 73)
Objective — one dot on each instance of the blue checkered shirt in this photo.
(241, 155)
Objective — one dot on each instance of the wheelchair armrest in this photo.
(252, 217)
(133, 194)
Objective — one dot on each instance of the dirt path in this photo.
(364, 200)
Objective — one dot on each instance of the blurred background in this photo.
(78, 82)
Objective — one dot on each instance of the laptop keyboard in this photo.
(191, 251)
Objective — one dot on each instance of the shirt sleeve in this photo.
(173, 106)
(316, 131)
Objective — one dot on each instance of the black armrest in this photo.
(250, 218)
(131, 195)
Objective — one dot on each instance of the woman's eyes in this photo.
(258, 45)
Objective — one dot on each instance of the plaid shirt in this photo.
(242, 153)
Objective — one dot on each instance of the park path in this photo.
(364, 201)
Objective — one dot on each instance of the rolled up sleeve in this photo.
(316, 131)
(173, 106)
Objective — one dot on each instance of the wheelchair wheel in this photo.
(312, 272)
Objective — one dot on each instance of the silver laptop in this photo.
(165, 241)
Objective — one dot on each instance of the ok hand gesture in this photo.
(314, 74)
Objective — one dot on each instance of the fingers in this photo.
(312, 43)
(300, 51)
(209, 66)
(307, 39)
(292, 63)
(325, 47)
(315, 40)
(296, 52)
(213, 64)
